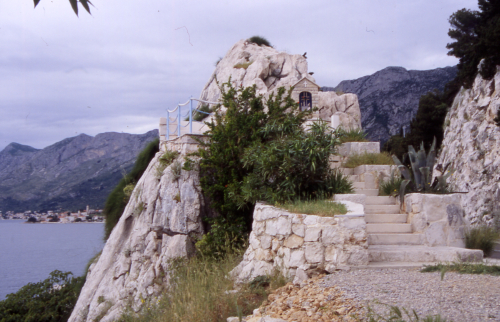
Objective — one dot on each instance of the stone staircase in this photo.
(390, 237)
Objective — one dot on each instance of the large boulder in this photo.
(159, 224)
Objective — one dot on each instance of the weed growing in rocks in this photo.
(259, 40)
(481, 237)
(397, 314)
(391, 186)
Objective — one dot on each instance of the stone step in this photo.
(382, 209)
(347, 171)
(385, 218)
(401, 254)
(388, 228)
(394, 239)
(353, 178)
(358, 185)
(380, 200)
(367, 192)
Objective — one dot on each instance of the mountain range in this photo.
(69, 174)
(388, 99)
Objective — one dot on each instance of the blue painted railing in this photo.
(179, 116)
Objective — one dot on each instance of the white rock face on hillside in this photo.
(162, 216)
(248, 64)
(471, 146)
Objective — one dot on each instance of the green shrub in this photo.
(258, 40)
(50, 300)
(481, 237)
(164, 161)
(117, 200)
(323, 208)
(352, 135)
(356, 160)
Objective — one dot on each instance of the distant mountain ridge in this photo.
(69, 174)
(389, 98)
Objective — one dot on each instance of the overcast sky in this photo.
(121, 67)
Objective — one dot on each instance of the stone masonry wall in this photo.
(440, 218)
(301, 245)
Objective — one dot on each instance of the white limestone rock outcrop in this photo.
(248, 64)
(158, 224)
(301, 245)
(471, 147)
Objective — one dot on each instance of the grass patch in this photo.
(353, 135)
(200, 292)
(323, 208)
(356, 160)
(243, 65)
(481, 237)
(463, 268)
(391, 186)
(165, 160)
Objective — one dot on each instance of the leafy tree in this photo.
(51, 300)
(117, 200)
(74, 5)
(258, 150)
(477, 36)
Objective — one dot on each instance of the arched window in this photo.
(305, 101)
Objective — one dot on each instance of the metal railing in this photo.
(179, 116)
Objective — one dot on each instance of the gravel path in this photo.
(458, 297)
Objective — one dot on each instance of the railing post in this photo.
(168, 125)
(179, 121)
(191, 115)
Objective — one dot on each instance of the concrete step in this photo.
(385, 218)
(382, 209)
(347, 171)
(368, 192)
(388, 228)
(380, 200)
(394, 239)
(358, 185)
(412, 254)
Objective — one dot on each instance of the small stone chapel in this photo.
(305, 92)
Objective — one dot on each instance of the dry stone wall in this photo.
(471, 149)
(301, 245)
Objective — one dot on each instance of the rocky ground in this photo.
(345, 295)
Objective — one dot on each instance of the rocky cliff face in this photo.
(248, 64)
(471, 148)
(389, 98)
(70, 174)
(159, 223)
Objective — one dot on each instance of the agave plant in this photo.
(422, 165)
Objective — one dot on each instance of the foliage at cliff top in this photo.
(50, 300)
(259, 150)
(117, 199)
(259, 40)
(477, 37)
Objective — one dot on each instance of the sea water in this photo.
(29, 252)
